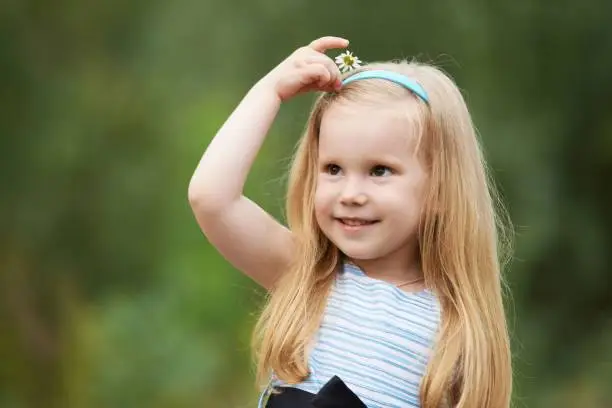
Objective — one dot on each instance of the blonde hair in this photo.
(464, 238)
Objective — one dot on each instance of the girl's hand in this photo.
(307, 69)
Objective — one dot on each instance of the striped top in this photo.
(376, 337)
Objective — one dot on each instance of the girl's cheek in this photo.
(323, 199)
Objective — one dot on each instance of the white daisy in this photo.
(347, 61)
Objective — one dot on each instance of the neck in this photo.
(394, 268)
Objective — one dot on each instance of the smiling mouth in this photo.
(356, 222)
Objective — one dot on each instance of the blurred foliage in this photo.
(109, 294)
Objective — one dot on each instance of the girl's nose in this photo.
(353, 194)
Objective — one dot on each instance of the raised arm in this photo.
(248, 237)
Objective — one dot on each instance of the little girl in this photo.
(385, 288)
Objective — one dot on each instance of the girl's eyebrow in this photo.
(387, 160)
(373, 160)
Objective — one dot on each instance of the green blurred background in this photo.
(109, 294)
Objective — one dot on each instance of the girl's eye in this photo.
(381, 171)
(333, 169)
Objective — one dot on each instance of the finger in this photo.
(327, 43)
(327, 62)
(315, 74)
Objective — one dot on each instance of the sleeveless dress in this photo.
(375, 337)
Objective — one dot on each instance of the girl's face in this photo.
(371, 183)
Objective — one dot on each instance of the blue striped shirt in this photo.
(376, 337)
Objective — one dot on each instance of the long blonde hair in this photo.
(464, 239)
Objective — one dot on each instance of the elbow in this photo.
(205, 201)
(194, 194)
(198, 198)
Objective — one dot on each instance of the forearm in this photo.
(222, 171)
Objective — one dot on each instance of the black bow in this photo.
(334, 394)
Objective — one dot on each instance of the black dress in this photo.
(334, 394)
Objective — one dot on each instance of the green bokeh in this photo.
(109, 294)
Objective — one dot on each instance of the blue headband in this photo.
(402, 80)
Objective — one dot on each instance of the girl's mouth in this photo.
(355, 224)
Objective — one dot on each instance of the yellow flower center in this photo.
(348, 60)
